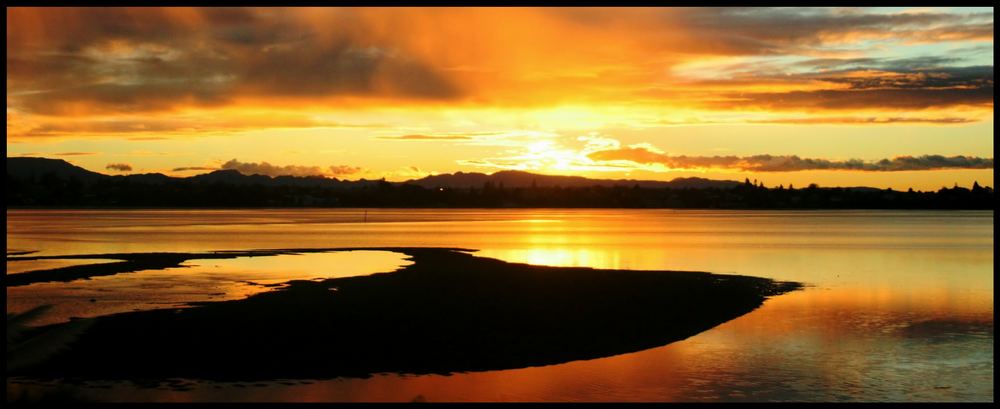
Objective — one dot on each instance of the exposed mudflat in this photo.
(449, 311)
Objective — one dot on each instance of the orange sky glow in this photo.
(884, 97)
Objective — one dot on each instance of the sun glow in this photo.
(409, 91)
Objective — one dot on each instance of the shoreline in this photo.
(783, 209)
(132, 262)
(448, 312)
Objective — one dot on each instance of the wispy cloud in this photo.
(120, 167)
(893, 99)
(863, 120)
(192, 168)
(790, 163)
(604, 154)
(265, 168)
(152, 128)
(343, 169)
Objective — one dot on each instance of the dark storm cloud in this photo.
(938, 78)
(341, 69)
(73, 61)
(908, 83)
(66, 61)
(775, 30)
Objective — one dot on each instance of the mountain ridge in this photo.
(34, 168)
(518, 179)
(40, 183)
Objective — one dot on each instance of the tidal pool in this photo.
(196, 280)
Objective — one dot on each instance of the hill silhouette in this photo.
(516, 179)
(34, 168)
(41, 182)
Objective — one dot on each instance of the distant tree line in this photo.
(50, 190)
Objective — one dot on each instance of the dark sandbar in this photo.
(132, 262)
(448, 312)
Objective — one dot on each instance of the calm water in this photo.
(197, 280)
(899, 308)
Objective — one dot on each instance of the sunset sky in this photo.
(888, 97)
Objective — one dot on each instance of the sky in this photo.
(882, 97)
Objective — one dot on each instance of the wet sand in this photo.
(447, 312)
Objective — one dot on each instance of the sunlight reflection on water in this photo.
(20, 266)
(899, 307)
